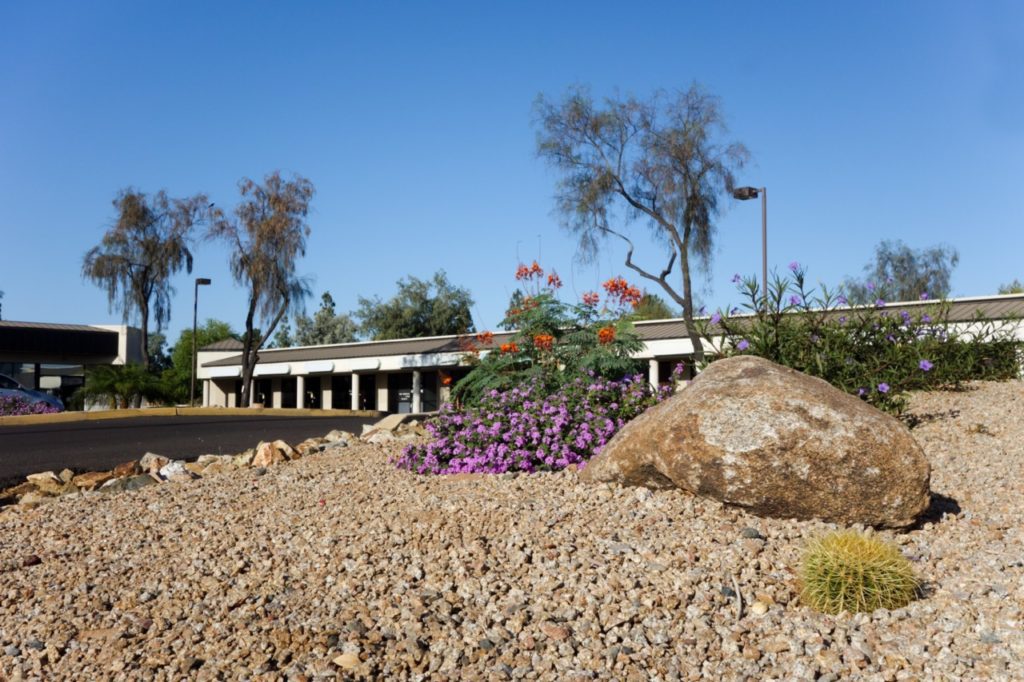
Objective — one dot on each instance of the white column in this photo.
(300, 391)
(652, 373)
(355, 391)
(326, 395)
(417, 383)
(252, 392)
(275, 390)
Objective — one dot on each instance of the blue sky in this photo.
(866, 121)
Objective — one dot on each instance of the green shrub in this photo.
(121, 386)
(555, 343)
(873, 351)
(852, 571)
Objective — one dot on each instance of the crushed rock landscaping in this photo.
(330, 563)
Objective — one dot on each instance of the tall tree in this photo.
(900, 273)
(1014, 287)
(138, 255)
(659, 160)
(159, 360)
(432, 307)
(282, 337)
(326, 326)
(653, 307)
(267, 235)
(178, 376)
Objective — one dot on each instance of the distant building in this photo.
(415, 375)
(54, 357)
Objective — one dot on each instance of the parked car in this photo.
(11, 388)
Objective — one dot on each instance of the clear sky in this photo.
(866, 120)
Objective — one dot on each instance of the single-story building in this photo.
(415, 375)
(53, 357)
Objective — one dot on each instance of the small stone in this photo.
(126, 469)
(12, 651)
(486, 644)
(176, 472)
(152, 462)
(92, 479)
(47, 482)
(554, 631)
(759, 608)
(31, 560)
(727, 591)
(146, 597)
(66, 475)
(35, 644)
(751, 533)
(259, 471)
(268, 454)
(347, 661)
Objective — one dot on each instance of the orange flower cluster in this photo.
(543, 341)
(554, 281)
(606, 335)
(523, 272)
(510, 347)
(619, 288)
(528, 304)
(591, 298)
(471, 344)
(446, 379)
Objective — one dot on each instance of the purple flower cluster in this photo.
(12, 406)
(526, 430)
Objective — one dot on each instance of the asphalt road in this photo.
(101, 445)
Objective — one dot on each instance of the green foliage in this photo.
(653, 307)
(325, 327)
(900, 273)
(876, 352)
(121, 386)
(432, 307)
(177, 378)
(1014, 287)
(854, 572)
(555, 343)
(282, 337)
(156, 350)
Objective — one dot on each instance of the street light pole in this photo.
(764, 244)
(200, 281)
(744, 193)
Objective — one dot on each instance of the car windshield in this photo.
(9, 383)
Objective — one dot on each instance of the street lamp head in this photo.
(202, 281)
(744, 193)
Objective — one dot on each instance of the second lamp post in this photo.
(744, 193)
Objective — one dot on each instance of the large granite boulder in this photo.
(754, 434)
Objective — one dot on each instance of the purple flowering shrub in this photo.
(878, 352)
(12, 406)
(529, 429)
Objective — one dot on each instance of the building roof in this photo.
(54, 326)
(960, 310)
(224, 344)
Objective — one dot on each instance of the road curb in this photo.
(100, 415)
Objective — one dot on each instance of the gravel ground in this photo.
(338, 565)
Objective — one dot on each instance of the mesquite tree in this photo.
(148, 243)
(659, 160)
(267, 235)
